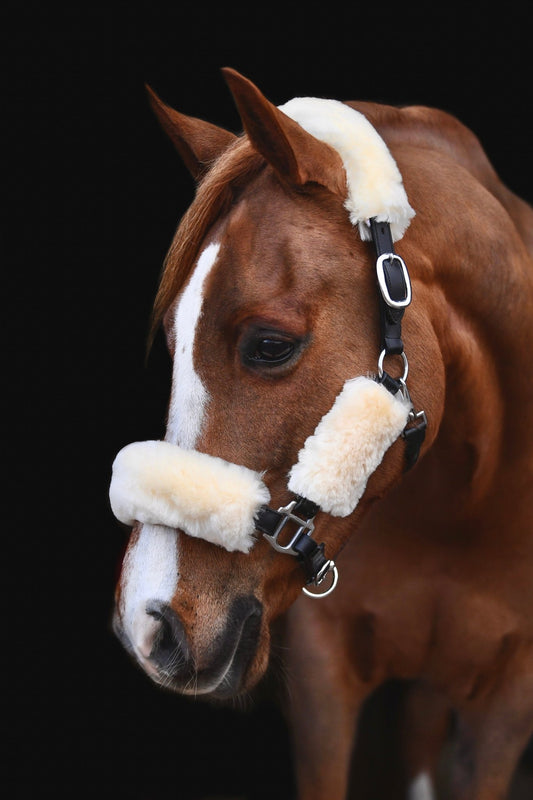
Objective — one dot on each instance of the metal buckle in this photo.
(418, 418)
(304, 526)
(383, 283)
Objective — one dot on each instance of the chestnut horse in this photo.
(411, 484)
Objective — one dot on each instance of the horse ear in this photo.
(295, 154)
(199, 143)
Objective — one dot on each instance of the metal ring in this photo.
(319, 595)
(405, 365)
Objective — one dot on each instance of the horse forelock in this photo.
(233, 170)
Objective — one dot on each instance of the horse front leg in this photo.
(425, 726)
(324, 698)
(491, 738)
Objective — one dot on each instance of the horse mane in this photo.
(215, 194)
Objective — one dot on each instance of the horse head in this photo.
(278, 414)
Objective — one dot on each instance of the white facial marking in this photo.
(421, 788)
(150, 573)
(189, 397)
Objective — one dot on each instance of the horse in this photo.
(346, 303)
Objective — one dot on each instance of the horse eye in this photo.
(269, 352)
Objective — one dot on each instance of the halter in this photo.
(152, 481)
(394, 297)
(207, 497)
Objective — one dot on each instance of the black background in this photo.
(94, 192)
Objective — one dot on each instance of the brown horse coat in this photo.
(436, 564)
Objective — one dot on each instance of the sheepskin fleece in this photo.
(160, 483)
(348, 445)
(375, 187)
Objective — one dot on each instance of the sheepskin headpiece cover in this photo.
(161, 483)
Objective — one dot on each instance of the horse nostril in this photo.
(169, 651)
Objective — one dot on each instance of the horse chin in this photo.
(237, 681)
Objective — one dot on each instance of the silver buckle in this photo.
(303, 526)
(418, 417)
(383, 283)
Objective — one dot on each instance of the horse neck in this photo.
(481, 307)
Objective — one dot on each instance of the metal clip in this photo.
(328, 567)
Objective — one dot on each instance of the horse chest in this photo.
(414, 613)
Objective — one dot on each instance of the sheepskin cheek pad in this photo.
(160, 483)
(348, 445)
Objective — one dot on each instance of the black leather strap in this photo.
(267, 519)
(414, 434)
(311, 555)
(382, 237)
(390, 318)
(305, 508)
(414, 438)
(391, 331)
(393, 385)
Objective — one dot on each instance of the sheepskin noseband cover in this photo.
(160, 483)
(207, 497)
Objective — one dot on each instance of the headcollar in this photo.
(226, 504)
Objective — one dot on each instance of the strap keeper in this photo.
(414, 437)
(392, 385)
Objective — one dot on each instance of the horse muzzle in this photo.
(172, 658)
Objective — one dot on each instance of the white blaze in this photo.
(150, 572)
(189, 397)
(150, 569)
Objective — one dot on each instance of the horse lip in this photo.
(231, 680)
(227, 681)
